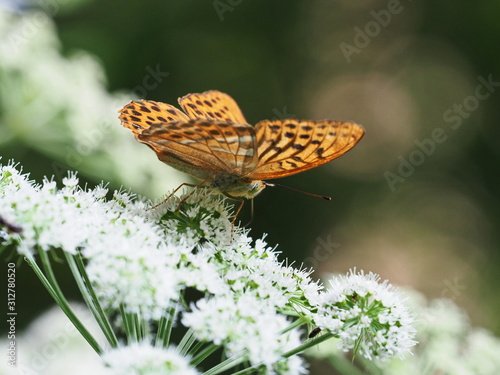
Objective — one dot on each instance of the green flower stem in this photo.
(186, 342)
(339, 362)
(295, 324)
(49, 272)
(192, 352)
(200, 357)
(136, 328)
(161, 340)
(309, 344)
(78, 269)
(165, 327)
(227, 364)
(248, 370)
(53, 288)
(130, 325)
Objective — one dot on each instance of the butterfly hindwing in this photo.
(287, 147)
(202, 147)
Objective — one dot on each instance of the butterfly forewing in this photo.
(286, 147)
(212, 105)
(140, 115)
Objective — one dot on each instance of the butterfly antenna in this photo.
(298, 191)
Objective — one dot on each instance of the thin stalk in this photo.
(295, 324)
(129, 325)
(160, 334)
(165, 327)
(186, 342)
(200, 357)
(309, 344)
(49, 272)
(248, 370)
(52, 287)
(192, 352)
(80, 274)
(227, 364)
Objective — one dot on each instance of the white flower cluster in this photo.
(142, 358)
(447, 344)
(245, 285)
(367, 314)
(148, 261)
(126, 255)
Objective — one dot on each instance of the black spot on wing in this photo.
(298, 146)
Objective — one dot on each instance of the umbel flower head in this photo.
(147, 273)
(366, 315)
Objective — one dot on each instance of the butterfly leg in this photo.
(175, 191)
(199, 186)
(242, 202)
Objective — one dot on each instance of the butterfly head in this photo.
(249, 189)
(236, 186)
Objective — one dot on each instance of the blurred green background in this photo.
(416, 201)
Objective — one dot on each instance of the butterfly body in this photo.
(212, 141)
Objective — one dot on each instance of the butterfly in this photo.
(212, 141)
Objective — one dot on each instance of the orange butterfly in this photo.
(212, 141)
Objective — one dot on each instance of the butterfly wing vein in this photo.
(287, 147)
